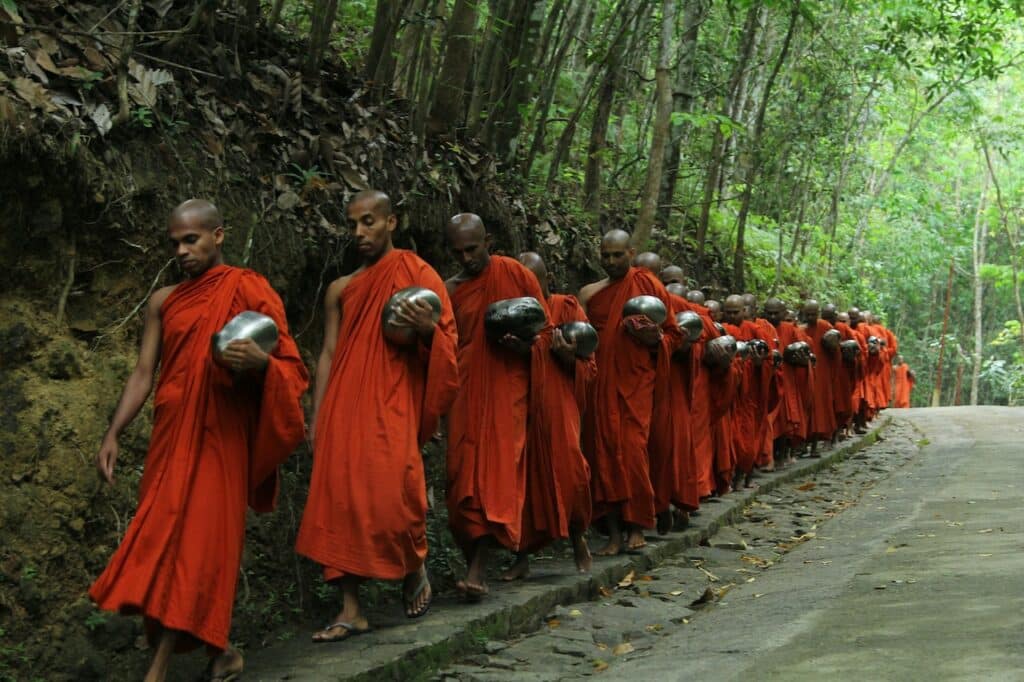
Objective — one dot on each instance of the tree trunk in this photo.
(507, 129)
(446, 111)
(937, 389)
(275, 14)
(978, 261)
(424, 81)
(598, 139)
(1011, 239)
(753, 167)
(683, 96)
(320, 25)
(662, 120)
(718, 142)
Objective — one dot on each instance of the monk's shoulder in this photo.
(159, 297)
(588, 291)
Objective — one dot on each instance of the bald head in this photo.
(468, 242)
(774, 311)
(616, 254)
(198, 213)
(376, 199)
(714, 309)
(649, 261)
(618, 238)
(466, 223)
(535, 264)
(673, 274)
(854, 314)
(733, 309)
(695, 296)
(829, 313)
(810, 311)
(843, 317)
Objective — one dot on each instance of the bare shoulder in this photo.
(335, 288)
(452, 283)
(587, 292)
(158, 298)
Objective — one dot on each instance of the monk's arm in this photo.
(332, 322)
(586, 293)
(137, 388)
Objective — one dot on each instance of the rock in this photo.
(493, 647)
(573, 649)
(728, 538)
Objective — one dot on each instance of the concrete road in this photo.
(922, 580)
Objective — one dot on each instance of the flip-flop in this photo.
(350, 631)
(225, 675)
(423, 585)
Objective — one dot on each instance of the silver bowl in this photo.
(584, 334)
(797, 353)
(523, 317)
(690, 324)
(830, 339)
(720, 328)
(676, 289)
(399, 333)
(245, 325)
(760, 347)
(720, 350)
(850, 349)
(651, 307)
(743, 349)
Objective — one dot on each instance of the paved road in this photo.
(921, 579)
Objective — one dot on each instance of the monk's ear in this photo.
(489, 241)
(392, 223)
(218, 235)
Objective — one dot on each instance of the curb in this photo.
(413, 650)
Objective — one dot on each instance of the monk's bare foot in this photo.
(227, 666)
(613, 548)
(768, 469)
(680, 519)
(748, 482)
(417, 593)
(725, 491)
(581, 553)
(636, 540)
(664, 522)
(519, 570)
(472, 591)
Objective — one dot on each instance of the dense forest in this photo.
(864, 153)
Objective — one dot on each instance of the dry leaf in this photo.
(34, 94)
(101, 117)
(676, 593)
(604, 591)
(646, 578)
(987, 530)
(627, 580)
(758, 596)
(810, 485)
(623, 649)
(43, 60)
(600, 665)
(757, 561)
(554, 623)
(575, 613)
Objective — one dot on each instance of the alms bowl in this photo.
(584, 334)
(523, 317)
(245, 325)
(650, 306)
(830, 339)
(690, 324)
(399, 333)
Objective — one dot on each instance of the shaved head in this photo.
(843, 317)
(535, 264)
(469, 243)
(379, 201)
(714, 309)
(618, 238)
(466, 224)
(733, 309)
(695, 296)
(810, 311)
(649, 261)
(673, 274)
(198, 213)
(774, 311)
(828, 313)
(616, 254)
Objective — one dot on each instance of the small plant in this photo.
(143, 116)
(95, 620)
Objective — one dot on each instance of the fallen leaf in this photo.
(604, 591)
(627, 581)
(101, 117)
(758, 596)
(554, 623)
(600, 665)
(646, 578)
(676, 593)
(757, 561)
(657, 627)
(987, 530)
(575, 613)
(810, 485)
(34, 94)
(984, 555)
(623, 649)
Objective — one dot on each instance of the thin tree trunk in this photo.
(937, 389)
(662, 120)
(507, 133)
(683, 96)
(1011, 239)
(446, 111)
(321, 23)
(978, 253)
(127, 46)
(275, 14)
(739, 256)
(598, 139)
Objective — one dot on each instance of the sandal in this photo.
(348, 630)
(422, 586)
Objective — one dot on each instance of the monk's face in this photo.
(196, 248)
(371, 228)
(470, 248)
(810, 313)
(673, 274)
(843, 317)
(854, 315)
(774, 312)
(732, 311)
(828, 313)
(616, 257)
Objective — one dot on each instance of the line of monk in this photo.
(542, 443)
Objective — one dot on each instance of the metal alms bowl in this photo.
(743, 349)
(650, 306)
(797, 353)
(523, 317)
(850, 349)
(830, 339)
(720, 351)
(583, 334)
(401, 334)
(245, 325)
(690, 324)
(759, 346)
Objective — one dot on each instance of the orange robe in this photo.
(487, 424)
(891, 350)
(823, 416)
(557, 474)
(860, 399)
(750, 408)
(875, 371)
(770, 390)
(845, 380)
(617, 429)
(726, 385)
(215, 447)
(367, 506)
(792, 420)
(904, 385)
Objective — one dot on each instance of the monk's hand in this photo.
(685, 348)
(814, 359)
(562, 348)
(106, 458)
(776, 358)
(643, 329)
(416, 314)
(245, 355)
(516, 344)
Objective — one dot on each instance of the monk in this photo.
(670, 446)
(714, 309)
(823, 418)
(633, 354)
(791, 422)
(757, 378)
(557, 503)
(696, 296)
(862, 413)
(487, 425)
(903, 380)
(673, 274)
(845, 374)
(374, 406)
(890, 348)
(219, 433)
(765, 331)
